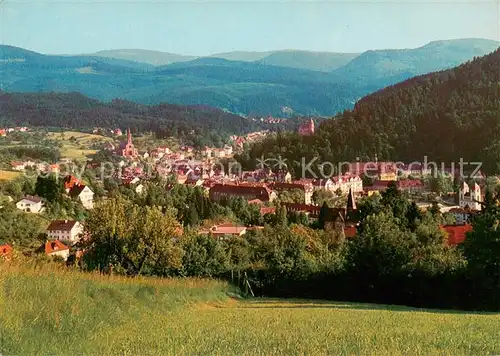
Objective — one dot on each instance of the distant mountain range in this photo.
(278, 83)
(320, 61)
(444, 117)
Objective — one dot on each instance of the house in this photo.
(342, 183)
(247, 191)
(456, 233)
(84, 194)
(69, 182)
(65, 230)
(30, 204)
(306, 129)
(384, 171)
(410, 185)
(222, 230)
(18, 166)
(462, 215)
(56, 249)
(139, 188)
(3, 133)
(470, 198)
(5, 252)
(117, 132)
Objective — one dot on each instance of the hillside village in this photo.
(267, 188)
(249, 178)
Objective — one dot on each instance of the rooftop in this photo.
(61, 225)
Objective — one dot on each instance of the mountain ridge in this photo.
(236, 86)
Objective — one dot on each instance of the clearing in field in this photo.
(78, 145)
(58, 312)
(8, 175)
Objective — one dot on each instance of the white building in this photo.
(139, 189)
(30, 204)
(470, 198)
(342, 183)
(462, 215)
(84, 194)
(56, 248)
(65, 230)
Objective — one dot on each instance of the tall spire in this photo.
(129, 136)
(351, 202)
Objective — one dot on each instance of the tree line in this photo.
(399, 255)
(194, 125)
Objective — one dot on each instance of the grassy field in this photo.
(56, 312)
(79, 148)
(8, 175)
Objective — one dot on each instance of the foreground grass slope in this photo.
(46, 311)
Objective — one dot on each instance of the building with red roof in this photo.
(5, 252)
(65, 230)
(222, 230)
(56, 248)
(350, 231)
(69, 182)
(456, 233)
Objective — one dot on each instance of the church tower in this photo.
(351, 202)
(127, 148)
(129, 137)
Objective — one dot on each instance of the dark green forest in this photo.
(201, 124)
(445, 116)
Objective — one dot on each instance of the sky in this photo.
(205, 27)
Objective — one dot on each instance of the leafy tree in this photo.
(204, 257)
(324, 216)
(440, 184)
(321, 196)
(281, 216)
(482, 250)
(49, 188)
(134, 239)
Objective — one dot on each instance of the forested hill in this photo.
(202, 125)
(445, 115)
(282, 84)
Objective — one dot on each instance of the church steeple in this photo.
(351, 202)
(129, 137)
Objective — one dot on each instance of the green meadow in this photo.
(51, 311)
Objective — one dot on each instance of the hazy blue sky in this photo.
(206, 27)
